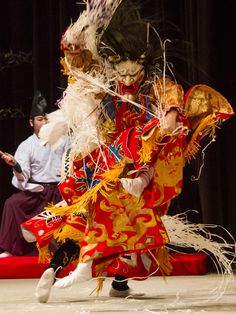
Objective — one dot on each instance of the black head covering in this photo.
(38, 105)
(129, 36)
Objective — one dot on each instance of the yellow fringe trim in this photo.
(99, 286)
(163, 257)
(206, 127)
(150, 144)
(108, 182)
(68, 232)
(98, 271)
(44, 254)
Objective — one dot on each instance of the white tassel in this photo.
(55, 131)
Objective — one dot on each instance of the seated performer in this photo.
(132, 132)
(36, 170)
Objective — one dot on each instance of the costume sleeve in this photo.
(169, 94)
(22, 156)
(205, 109)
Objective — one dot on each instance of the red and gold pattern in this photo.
(121, 223)
(118, 223)
(136, 266)
(48, 226)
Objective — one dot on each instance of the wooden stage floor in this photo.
(176, 294)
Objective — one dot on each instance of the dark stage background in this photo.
(30, 32)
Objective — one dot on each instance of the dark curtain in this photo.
(203, 32)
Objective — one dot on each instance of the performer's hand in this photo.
(171, 118)
(9, 159)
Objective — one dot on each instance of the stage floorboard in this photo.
(176, 294)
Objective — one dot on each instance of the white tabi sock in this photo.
(44, 286)
(82, 273)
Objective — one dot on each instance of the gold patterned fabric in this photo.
(202, 101)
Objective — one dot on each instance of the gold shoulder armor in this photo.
(202, 100)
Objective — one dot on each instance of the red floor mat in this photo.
(28, 267)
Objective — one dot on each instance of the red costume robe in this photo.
(107, 221)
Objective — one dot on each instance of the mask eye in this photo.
(114, 59)
(142, 58)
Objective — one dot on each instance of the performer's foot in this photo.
(5, 254)
(125, 293)
(44, 286)
(81, 274)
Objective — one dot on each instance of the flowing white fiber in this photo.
(81, 109)
(80, 104)
(83, 33)
(197, 236)
(101, 12)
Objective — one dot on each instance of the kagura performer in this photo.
(132, 132)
